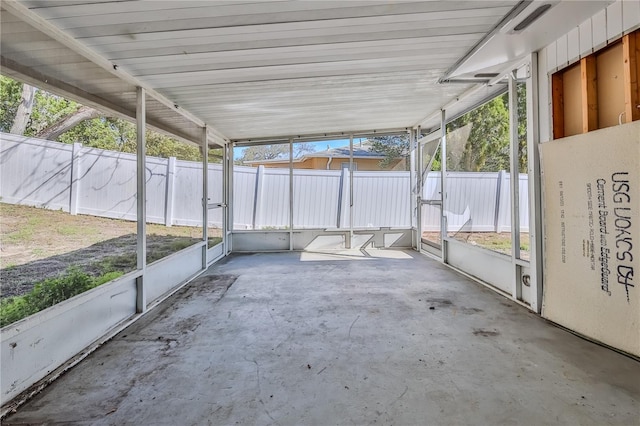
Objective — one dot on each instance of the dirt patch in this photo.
(38, 243)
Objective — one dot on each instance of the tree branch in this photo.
(68, 122)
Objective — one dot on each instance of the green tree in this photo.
(487, 146)
(264, 152)
(522, 127)
(392, 147)
(272, 152)
(10, 93)
(92, 129)
(47, 110)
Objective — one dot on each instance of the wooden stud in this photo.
(589, 85)
(631, 58)
(557, 89)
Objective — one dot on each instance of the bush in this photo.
(49, 292)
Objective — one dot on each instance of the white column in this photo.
(443, 185)
(350, 191)
(290, 194)
(516, 282)
(205, 196)
(229, 201)
(141, 200)
(535, 198)
(418, 195)
(413, 186)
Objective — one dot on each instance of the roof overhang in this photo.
(275, 70)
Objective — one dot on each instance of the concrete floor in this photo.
(312, 339)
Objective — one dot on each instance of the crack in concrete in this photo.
(352, 324)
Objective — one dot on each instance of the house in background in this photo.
(364, 159)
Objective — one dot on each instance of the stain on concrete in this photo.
(485, 333)
(439, 302)
(470, 311)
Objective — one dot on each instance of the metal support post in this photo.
(290, 194)
(141, 200)
(516, 282)
(229, 193)
(225, 198)
(413, 185)
(205, 196)
(418, 195)
(535, 197)
(443, 185)
(350, 191)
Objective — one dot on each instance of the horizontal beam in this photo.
(37, 79)
(319, 137)
(522, 5)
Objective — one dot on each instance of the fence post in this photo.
(257, 197)
(496, 218)
(75, 178)
(340, 196)
(169, 196)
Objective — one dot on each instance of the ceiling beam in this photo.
(315, 137)
(30, 76)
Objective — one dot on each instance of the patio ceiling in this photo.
(273, 69)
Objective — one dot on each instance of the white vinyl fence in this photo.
(476, 202)
(102, 183)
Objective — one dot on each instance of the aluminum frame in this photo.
(141, 200)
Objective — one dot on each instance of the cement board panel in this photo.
(592, 232)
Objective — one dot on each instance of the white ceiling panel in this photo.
(260, 69)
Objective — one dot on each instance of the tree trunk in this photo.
(68, 122)
(24, 110)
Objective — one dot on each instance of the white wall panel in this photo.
(573, 45)
(37, 345)
(486, 265)
(614, 20)
(562, 58)
(630, 14)
(586, 38)
(551, 56)
(599, 28)
(169, 272)
(544, 99)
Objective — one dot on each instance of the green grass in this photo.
(49, 292)
(22, 235)
(128, 262)
(214, 241)
(25, 233)
(68, 230)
